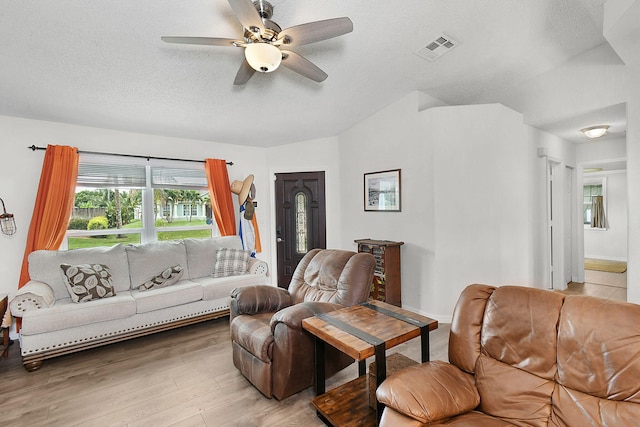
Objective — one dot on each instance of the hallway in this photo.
(601, 284)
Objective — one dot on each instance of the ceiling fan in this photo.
(266, 45)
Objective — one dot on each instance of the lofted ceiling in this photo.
(102, 63)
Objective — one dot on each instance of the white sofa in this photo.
(53, 324)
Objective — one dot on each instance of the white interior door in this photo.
(559, 211)
(569, 217)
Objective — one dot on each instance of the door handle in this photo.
(279, 240)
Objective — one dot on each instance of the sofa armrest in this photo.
(258, 299)
(429, 392)
(33, 295)
(292, 316)
(257, 266)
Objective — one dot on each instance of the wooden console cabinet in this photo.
(386, 279)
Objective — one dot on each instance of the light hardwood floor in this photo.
(601, 284)
(183, 377)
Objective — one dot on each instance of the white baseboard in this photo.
(606, 258)
(441, 318)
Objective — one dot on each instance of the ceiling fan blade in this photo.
(302, 66)
(247, 15)
(211, 41)
(315, 31)
(244, 73)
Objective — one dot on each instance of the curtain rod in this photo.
(34, 148)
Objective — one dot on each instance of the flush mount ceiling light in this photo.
(595, 131)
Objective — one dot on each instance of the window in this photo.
(301, 223)
(121, 201)
(590, 190)
(189, 211)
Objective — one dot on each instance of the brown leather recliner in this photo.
(270, 347)
(526, 357)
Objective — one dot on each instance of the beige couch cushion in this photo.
(147, 260)
(182, 292)
(44, 266)
(67, 314)
(220, 287)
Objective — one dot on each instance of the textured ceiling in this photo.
(102, 63)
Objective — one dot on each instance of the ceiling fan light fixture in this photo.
(595, 131)
(263, 57)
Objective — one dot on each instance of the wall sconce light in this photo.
(7, 222)
(595, 131)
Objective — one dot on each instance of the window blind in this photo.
(165, 177)
(108, 175)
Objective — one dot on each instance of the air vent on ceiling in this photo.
(438, 47)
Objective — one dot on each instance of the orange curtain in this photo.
(54, 203)
(220, 195)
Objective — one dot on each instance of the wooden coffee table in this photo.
(361, 331)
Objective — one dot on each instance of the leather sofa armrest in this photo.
(258, 299)
(292, 316)
(257, 266)
(33, 295)
(429, 392)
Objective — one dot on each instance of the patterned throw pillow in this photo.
(231, 262)
(168, 277)
(86, 282)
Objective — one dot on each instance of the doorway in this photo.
(300, 219)
(605, 246)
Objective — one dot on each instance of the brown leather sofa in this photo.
(526, 357)
(270, 347)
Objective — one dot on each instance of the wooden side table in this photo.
(361, 331)
(4, 306)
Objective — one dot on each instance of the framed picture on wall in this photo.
(382, 191)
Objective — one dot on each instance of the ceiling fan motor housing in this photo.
(264, 8)
(272, 29)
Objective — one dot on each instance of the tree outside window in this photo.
(111, 207)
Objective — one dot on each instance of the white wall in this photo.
(554, 152)
(20, 172)
(394, 138)
(469, 186)
(485, 196)
(309, 156)
(621, 29)
(589, 82)
(633, 185)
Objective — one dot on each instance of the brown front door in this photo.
(300, 219)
